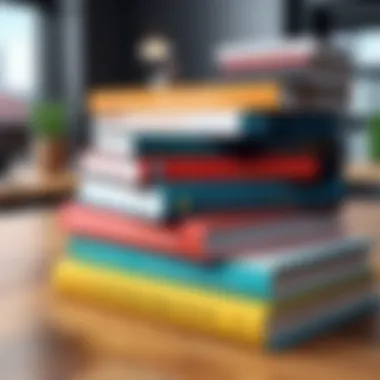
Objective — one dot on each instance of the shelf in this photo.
(30, 186)
(363, 173)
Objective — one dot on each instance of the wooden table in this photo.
(29, 185)
(364, 173)
(31, 244)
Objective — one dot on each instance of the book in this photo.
(208, 237)
(303, 56)
(106, 105)
(112, 331)
(253, 322)
(222, 124)
(265, 95)
(121, 136)
(270, 275)
(175, 200)
(150, 170)
(126, 145)
(261, 54)
(217, 123)
(316, 73)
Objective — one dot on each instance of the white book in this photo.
(108, 166)
(224, 123)
(147, 204)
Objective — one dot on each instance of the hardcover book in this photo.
(209, 237)
(272, 275)
(175, 200)
(132, 134)
(250, 321)
(150, 170)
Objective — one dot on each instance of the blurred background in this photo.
(52, 52)
(59, 49)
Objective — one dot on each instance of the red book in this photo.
(199, 238)
(193, 168)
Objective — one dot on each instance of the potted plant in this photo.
(49, 122)
(374, 138)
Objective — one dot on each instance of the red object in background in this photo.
(301, 167)
(198, 238)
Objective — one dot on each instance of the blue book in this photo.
(278, 275)
(174, 200)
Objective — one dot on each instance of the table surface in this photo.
(31, 244)
(29, 184)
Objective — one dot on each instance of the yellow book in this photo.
(222, 316)
(203, 97)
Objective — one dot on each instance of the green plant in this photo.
(374, 136)
(49, 120)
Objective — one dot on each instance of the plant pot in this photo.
(51, 155)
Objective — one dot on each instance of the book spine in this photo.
(260, 96)
(212, 313)
(299, 167)
(185, 199)
(180, 199)
(264, 63)
(147, 204)
(106, 166)
(153, 146)
(232, 279)
(92, 223)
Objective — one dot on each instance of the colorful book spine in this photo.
(245, 276)
(271, 55)
(214, 314)
(222, 124)
(251, 134)
(176, 200)
(200, 98)
(197, 168)
(202, 238)
(113, 332)
(252, 322)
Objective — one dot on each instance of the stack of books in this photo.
(211, 208)
(315, 73)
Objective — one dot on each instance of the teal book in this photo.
(272, 275)
(276, 129)
(174, 200)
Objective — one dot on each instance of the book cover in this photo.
(276, 54)
(208, 237)
(113, 331)
(271, 275)
(221, 124)
(187, 98)
(252, 322)
(150, 170)
(175, 200)
(250, 135)
(294, 57)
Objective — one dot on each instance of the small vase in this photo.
(50, 155)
